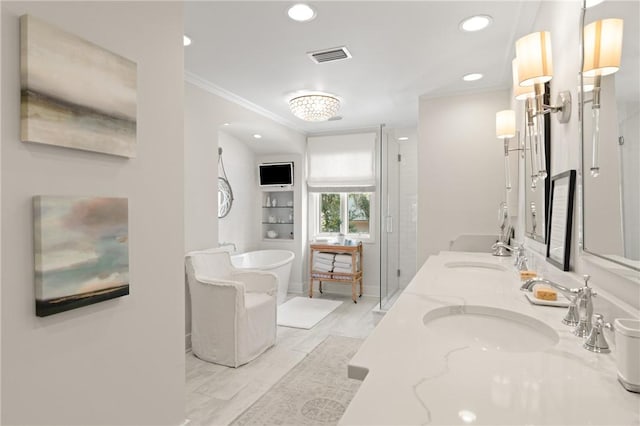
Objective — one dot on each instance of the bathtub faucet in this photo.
(235, 248)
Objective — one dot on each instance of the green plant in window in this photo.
(358, 207)
(330, 213)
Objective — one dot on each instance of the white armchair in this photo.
(233, 312)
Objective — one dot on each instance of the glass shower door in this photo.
(389, 223)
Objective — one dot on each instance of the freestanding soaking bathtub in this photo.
(276, 261)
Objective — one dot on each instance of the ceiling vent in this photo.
(329, 55)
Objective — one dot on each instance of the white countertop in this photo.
(416, 376)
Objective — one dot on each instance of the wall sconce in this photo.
(602, 44)
(506, 129)
(535, 67)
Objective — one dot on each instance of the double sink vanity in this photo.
(463, 345)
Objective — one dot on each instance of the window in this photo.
(347, 213)
(341, 179)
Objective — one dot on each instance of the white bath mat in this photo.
(304, 312)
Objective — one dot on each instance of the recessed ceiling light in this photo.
(225, 124)
(472, 77)
(257, 136)
(476, 23)
(591, 3)
(301, 12)
(186, 41)
(403, 138)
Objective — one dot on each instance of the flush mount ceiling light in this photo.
(301, 12)
(475, 23)
(186, 41)
(472, 77)
(257, 136)
(314, 107)
(403, 138)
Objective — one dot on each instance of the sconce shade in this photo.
(588, 84)
(505, 124)
(533, 53)
(520, 92)
(315, 107)
(602, 47)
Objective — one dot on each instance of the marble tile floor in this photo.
(216, 395)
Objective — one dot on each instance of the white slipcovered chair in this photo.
(233, 312)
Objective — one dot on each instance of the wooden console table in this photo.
(354, 277)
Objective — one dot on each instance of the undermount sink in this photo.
(474, 265)
(490, 329)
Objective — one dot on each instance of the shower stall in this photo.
(398, 211)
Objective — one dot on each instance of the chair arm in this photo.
(217, 281)
(257, 281)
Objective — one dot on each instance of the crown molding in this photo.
(204, 84)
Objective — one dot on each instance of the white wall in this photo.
(461, 168)
(299, 243)
(408, 219)
(242, 225)
(202, 118)
(120, 361)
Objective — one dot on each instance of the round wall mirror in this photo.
(225, 197)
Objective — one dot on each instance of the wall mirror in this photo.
(225, 194)
(536, 189)
(611, 154)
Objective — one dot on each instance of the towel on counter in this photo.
(323, 255)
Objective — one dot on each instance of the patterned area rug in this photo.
(315, 392)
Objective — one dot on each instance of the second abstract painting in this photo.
(81, 251)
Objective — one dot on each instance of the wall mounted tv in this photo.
(276, 174)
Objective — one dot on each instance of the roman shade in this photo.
(341, 163)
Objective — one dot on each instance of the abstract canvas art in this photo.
(81, 251)
(74, 93)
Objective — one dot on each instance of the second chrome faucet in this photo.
(580, 310)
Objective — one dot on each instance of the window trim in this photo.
(314, 216)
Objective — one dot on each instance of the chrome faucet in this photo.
(572, 317)
(235, 248)
(502, 249)
(585, 309)
(521, 260)
(528, 285)
(596, 342)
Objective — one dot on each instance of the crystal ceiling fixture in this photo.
(315, 106)
(301, 12)
(476, 23)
